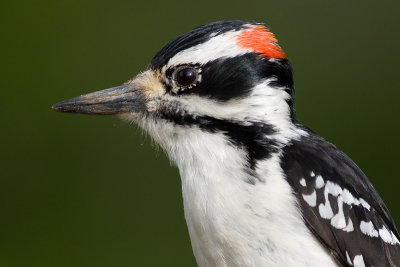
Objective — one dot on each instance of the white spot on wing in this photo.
(319, 182)
(333, 189)
(339, 221)
(359, 261)
(368, 229)
(311, 199)
(312, 174)
(348, 258)
(325, 210)
(348, 198)
(349, 227)
(395, 240)
(365, 204)
(385, 235)
(343, 197)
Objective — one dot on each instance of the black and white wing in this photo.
(340, 205)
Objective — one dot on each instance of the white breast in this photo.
(233, 222)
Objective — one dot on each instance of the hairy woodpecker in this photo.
(259, 189)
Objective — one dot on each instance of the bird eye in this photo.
(185, 76)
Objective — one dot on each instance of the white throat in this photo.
(238, 216)
(231, 221)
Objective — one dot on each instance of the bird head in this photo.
(229, 77)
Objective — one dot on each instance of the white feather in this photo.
(265, 104)
(232, 222)
(311, 199)
(368, 228)
(219, 46)
(359, 261)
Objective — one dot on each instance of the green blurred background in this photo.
(91, 191)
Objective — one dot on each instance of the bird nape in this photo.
(259, 189)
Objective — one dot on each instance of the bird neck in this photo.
(233, 210)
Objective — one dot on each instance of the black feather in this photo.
(314, 154)
(228, 78)
(252, 136)
(194, 37)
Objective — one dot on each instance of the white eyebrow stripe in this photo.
(219, 46)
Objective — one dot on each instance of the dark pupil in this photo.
(186, 77)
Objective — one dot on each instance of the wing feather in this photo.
(348, 217)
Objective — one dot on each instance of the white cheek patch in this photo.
(219, 46)
(265, 104)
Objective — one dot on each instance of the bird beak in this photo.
(116, 100)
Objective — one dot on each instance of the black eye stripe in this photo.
(250, 137)
(228, 78)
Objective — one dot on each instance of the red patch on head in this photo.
(259, 39)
